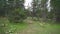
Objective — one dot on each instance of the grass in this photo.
(14, 28)
(44, 29)
(11, 28)
(31, 28)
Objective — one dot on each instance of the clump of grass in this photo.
(3, 23)
(8, 27)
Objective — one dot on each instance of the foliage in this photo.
(3, 23)
(18, 15)
(16, 11)
(56, 8)
(11, 28)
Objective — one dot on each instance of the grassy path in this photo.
(32, 27)
(36, 28)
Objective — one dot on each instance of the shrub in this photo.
(17, 15)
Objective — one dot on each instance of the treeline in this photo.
(15, 10)
(12, 9)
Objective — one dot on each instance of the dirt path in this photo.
(37, 29)
(27, 31)
(32, 29)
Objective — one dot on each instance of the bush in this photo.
(17, 16)
(3, 25)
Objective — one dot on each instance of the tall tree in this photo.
(13, 9)
(44, 9)
(17, 13)
(56, 8)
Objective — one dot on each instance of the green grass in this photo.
(44, 29)
(33, 28)
(11, 27)
(37, 27)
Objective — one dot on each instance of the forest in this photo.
(24, 17)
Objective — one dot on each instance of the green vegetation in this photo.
(40, 17)
(33, 28)
(8, 27)
(37, 27)
(44, 29)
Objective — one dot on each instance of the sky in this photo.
(27, 3)
(48, 5)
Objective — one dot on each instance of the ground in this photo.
(35, 27)
(40, 29)
(31, 27)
